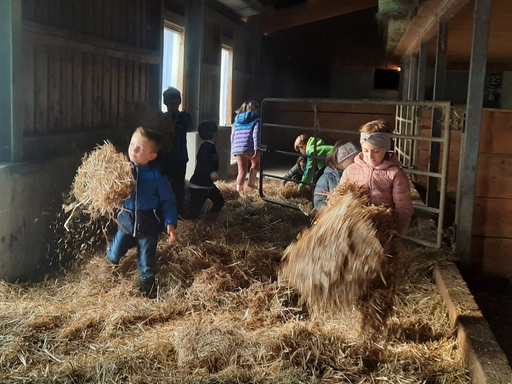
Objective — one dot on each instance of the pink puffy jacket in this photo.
(387, 185)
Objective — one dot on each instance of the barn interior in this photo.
(439, 70)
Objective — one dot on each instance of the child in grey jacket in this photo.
(340, 158)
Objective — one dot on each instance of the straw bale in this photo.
(341, 261)
(103, 182)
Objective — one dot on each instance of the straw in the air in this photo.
(334, 263)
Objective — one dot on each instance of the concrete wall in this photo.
(30, 195)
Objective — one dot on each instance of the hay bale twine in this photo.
(335, 263)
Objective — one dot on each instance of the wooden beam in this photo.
(471, 137)
(439, 94)
(40, 34)
(195, 16)
(11, 75)
(313, 10)
(424, 26)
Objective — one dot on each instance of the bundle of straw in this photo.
(103, 182)
(335, 263)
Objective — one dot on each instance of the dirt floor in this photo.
(221, 316)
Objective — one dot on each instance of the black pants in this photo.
(199, 196)
(176, 174)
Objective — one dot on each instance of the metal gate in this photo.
(411, 137)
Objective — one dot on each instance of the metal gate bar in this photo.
(407, 136)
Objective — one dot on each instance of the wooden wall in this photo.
(220, 30)
(492, 222)
(221, 27)
(84, 61)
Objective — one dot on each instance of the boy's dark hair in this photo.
(152, 136)
(171, 94)
(207, 129)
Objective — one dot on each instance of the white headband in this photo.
(345, 151)
(379, 139)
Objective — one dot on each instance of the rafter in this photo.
(313, 10)
(424, 25)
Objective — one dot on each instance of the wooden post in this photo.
(11, 97)
(413, 77)
(422, 72)
(194, 56)
(439, 95)
(406, 66)
(471, 136)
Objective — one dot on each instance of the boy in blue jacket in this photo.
(139, 223)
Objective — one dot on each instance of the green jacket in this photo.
(322, 150)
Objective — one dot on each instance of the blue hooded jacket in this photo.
(245, 136)
(152, 199)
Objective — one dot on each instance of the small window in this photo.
(386, 79)
(226, 76)
(172, 69)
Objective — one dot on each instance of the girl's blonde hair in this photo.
(376, 126)
(249, 106)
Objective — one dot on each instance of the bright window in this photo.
(226, 75)
(172, 74)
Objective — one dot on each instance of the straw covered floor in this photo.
(220, 317)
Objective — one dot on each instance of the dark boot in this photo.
(148, 287)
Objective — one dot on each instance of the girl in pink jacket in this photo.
(378, 169)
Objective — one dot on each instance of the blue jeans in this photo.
(146, 247)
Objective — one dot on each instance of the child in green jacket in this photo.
(306, 146)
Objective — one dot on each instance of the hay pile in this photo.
(103, 182)
(221, 317)
(342, 259)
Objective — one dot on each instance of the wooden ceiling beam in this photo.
(313, 10)
(424, 26)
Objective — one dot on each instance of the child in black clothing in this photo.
(295, 173)
(201, 184)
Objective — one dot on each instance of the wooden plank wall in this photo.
(84, 61)
(218, 30)
(492, 222)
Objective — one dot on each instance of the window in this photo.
(172, 73)
(226, 71)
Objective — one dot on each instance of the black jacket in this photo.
(295, 173)
(207, 163)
